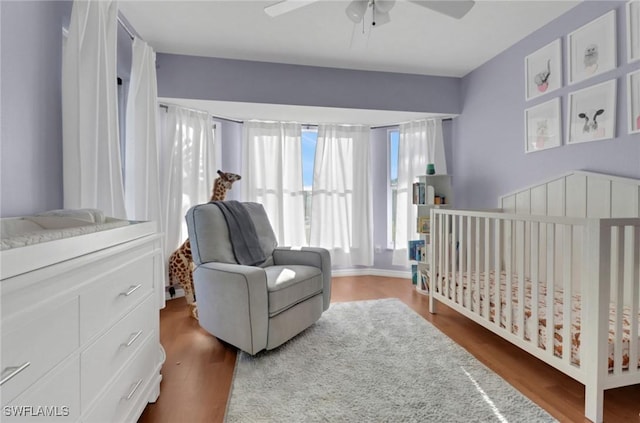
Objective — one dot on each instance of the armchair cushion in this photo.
(290, 285)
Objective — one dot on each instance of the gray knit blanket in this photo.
(242, 233)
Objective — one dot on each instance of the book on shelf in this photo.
(419, 193)
(414, 274)
(424, 280)
(417, 250)
(424, 194)
(423, 225)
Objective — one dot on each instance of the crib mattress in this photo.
(542, 315)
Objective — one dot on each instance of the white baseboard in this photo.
(179, 293)
(372, 272)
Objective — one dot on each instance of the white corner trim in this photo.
(372, 272)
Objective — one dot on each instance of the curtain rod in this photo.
(305, 125)
(127, 27)
(166, 107)
(398, 124)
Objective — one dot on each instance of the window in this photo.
(393, 138)
(309, 140)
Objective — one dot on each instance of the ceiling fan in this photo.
(380, 8)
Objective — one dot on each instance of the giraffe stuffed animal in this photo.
(181, 261)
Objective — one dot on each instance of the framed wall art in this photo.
(543, 70)
(542, 126)
(592, 48)
(633, 31)
(592, 113)
(633, 101)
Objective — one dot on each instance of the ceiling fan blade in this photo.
(286, 6)
(454, 8)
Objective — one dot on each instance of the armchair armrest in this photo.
(233, 303)
(309, 256)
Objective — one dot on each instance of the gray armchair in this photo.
(254, 307)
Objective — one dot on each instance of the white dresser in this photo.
(80, 327)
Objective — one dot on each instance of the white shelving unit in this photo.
(437, 193)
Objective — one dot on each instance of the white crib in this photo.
(572, 243)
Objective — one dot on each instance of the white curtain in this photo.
(272, 176)
(420, 143)
(92, 173)
(341, 212)
(142, 178)
(189, 161)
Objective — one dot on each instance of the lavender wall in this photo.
(31, 128)
(206, 78)
(489, 158)
(231, 161)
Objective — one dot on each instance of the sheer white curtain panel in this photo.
(92, 172)
(420, 143)
(189, 162)
(142, 177)
(272, 176)
(341, 211)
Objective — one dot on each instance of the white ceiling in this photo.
(417, 40)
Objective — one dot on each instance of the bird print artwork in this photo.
(591, 58)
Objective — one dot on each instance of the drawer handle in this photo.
(133, 338)
(131, 290)
(133, 391)
(14, 371)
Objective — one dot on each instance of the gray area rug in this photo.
(374, 361)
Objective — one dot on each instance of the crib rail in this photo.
(550, 274)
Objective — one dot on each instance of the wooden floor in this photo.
(198, 371)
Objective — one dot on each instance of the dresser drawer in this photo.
(54, 398)
(125, 391)
(113, 294)
(32, 347)
(109, 353)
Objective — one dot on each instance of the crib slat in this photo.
(535, 267)
(469, 269)
(460, 261)
(617, 274)
(520, 263)
(550, 329)
(477, 263)
(567, 247)
(508, 253)
(635, 299)
(487, 269)
(454, 258)
(439, 272)
(496, 286)
(449, 254)
(627, 278)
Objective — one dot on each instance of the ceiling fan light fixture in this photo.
(356, 9)
(380, 19)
